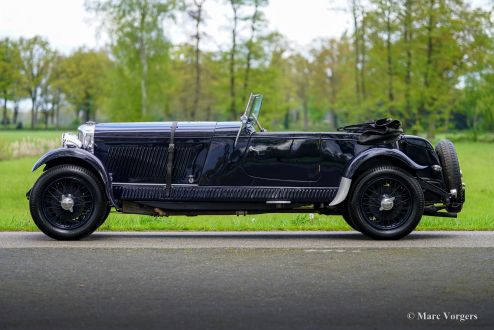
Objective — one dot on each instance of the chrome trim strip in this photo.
(153, 184)
(343, 190)
(196, 185)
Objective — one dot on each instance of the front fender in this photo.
(82, 156)
(369, 154)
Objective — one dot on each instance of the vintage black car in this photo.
(378, 179)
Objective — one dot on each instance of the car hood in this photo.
(183, 127)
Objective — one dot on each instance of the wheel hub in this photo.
(67, 203)
(387, 203)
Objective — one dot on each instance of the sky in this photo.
(67, 25)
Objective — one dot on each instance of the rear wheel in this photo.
(348, 220)
(67, 202)
(386, 203)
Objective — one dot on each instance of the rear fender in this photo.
(374, 153)
(68, 155)
(355, 164)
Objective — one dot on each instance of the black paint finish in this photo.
(288, 167)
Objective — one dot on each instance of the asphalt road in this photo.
(248, 281)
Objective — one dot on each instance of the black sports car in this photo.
(378, 179)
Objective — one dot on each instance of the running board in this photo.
(251, 194)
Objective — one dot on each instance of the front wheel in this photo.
(386, 203)
(67, 202)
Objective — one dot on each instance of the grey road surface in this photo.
(316, 280)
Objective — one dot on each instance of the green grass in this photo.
(476, 159)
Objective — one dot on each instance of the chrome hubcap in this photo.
(67, 202)
(387, 203)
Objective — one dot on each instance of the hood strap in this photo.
(169, 161)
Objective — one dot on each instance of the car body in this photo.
(190, 168)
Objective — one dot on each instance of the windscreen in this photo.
(256, 107)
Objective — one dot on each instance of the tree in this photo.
(81, 78)
(331, 79)
(256, 19)
(302, 72)
(138, 42)
(407, 20)
(356, 9)
(9, 74)
(235, 6)
(36, 56)
(198, 16)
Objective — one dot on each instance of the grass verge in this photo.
(476, 160)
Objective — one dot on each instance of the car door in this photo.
(282, 158)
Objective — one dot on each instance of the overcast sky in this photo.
(67, 25)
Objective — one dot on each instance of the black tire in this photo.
(107, 213)
(366, 202)
(80, 186)
(448, 158)
(348, 220)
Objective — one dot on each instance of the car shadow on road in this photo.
(354, 236)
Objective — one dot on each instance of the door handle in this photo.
(253, 150)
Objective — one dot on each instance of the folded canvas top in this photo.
(381, 131)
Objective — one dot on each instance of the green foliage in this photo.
(428, 63)
(36, 57)
(80, 79)
(140, 53)
(10, 77)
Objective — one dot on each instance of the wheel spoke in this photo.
(379, 190)
(82, 197)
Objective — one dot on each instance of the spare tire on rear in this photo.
(451, 172)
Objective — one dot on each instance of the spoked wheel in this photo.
(67, 202)
(386, 203)
(105, 216)
(349, 220)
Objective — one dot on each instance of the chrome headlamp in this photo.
(70, 140)
(86, 136)
(84, 139)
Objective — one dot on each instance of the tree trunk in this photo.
(57, 117)
(249, 50)
(426, 100)
(197, 90)
(362, 58)
(408, 63)
(356, 50)
(306, 113)
(233, 103)
(16, 112)
(5, 118)
(389, 57)
(144, 62)
(88, 108)
(46, 114)
(34, 117)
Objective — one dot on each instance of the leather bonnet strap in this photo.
(169, 162)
